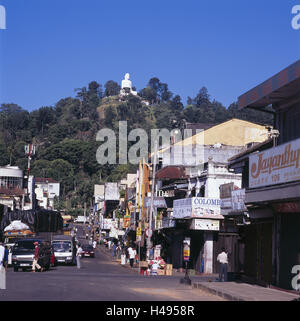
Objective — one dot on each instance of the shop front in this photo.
(271, 178)
(199, 219)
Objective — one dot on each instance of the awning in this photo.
(279, 88)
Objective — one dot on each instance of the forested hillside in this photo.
(65, 134)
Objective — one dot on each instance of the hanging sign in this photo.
(138, 231)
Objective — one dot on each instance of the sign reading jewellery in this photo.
(276, 165)
(196, 207)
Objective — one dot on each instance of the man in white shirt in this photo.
(2, 252)
(132, 254)
(223, 260)
(78, 256)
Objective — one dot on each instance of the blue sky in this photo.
(51, 47)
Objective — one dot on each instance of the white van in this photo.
(64, 249)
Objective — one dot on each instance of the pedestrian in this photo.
(2, 254)
(119, 251)
(2, 270)
(223, 260)
(151, 253)
(36, 257)
(114, 249)
(132, 254)
(78, 256)
(109, 244)
(5, 261)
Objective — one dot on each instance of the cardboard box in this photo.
(160, 272)
(169, 267)
(144, 264)
(169, 272)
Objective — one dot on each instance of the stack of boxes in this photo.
(169, 269)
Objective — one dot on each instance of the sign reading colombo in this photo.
(276, 165)
(196, 207)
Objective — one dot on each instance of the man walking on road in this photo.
(132, 254)
(36, 257)
(223, 260)
(78, 256)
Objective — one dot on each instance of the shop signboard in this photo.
(196, 207)
(288, 207)
(109, 224)
(158, 202)
(186, 249)
(162, 193)
(99, 191)
(275, 165)
(112, 192)
(226, 189)
(205, 225)
(126, 222)
(238, 200)
(138, 231)
(168, 222)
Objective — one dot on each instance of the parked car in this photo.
(88, 250)
(23, 254)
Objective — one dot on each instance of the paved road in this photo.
(98, 280)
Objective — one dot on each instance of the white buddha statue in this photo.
(126, 86)
(126, 83)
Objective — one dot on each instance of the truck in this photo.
(80, 219)
(64, 247)
(23, 254)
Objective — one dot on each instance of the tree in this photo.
(112, 88)
(164, 93)
(149, 94)
(4, 155)
(176, 104)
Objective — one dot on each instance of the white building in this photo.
(12, 193)
(46, 190)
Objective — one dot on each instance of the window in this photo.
(288, 124)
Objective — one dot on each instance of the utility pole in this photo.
(152, 197)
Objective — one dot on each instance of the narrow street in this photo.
(99, 279)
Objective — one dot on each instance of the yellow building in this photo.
(234, 132)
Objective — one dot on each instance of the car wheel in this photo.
(23, 269)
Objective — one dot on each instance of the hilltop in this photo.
(65, 134)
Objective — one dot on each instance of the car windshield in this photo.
(27, 245)
(87, 248)
(61, 246)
